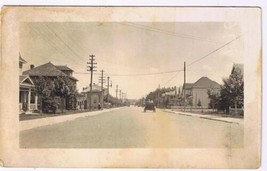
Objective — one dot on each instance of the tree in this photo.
(214, 99)
(232, 91)
(48, 88)
(43, 88)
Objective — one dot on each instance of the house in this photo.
(239, 68)
(170, 98)
(197, 93)
(52, 71)
(81, 100)
(96, 96)
(27, 98)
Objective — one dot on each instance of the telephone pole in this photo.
(117, 95)
(108, 85)
(91, 66)
(184, 84)
(102, 87)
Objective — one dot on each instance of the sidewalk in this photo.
(239, 121)
(29, 124)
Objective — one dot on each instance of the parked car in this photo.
(150, 106)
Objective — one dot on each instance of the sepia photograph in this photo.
(130, 85)
(153, 87)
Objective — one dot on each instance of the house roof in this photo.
(95, 88)
(63, 68)
(188, 85)
(239, 67)
(25, 80)
(47, 69)
(21, 59)
(205, 82)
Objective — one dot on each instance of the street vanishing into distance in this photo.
(131, 127)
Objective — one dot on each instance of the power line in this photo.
(185, 36)
(143, 74)
(171, 79)
(199, 59)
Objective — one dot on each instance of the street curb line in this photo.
(202, 117)
(35, 123)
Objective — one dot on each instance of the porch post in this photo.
(29, 99)
(36, 102)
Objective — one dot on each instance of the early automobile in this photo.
(149, 106)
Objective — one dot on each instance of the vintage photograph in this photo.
(131, 87)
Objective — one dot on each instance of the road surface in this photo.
(130, 127)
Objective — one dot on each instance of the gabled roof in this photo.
(63, 68)
(239, 67)
(188, 85)
(205, 82)
(21, 59)
(25, 80)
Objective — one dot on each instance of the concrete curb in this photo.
(30, 124)
(202, 117)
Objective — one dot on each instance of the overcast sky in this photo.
(135, 48)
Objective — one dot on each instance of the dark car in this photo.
(149, 106)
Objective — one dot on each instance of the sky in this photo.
(131, 53)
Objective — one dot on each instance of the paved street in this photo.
(130, 127)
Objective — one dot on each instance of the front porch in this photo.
(28, 101)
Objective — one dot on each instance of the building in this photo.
(197, 93)
(27, 98)
(239, 68)
(52, 72)
(170, 98)
(96, 96)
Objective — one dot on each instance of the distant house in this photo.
(197, 92)
(96, 96)
(170, 98)
(27, 98)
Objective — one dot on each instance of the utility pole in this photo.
(108, 85)
(91, 66)
(102, 87)
(184, 83)
(117, 95)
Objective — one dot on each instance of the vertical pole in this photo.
(184, 83)
(116, 95)
(29, 99)
(91, 69)
(108, 90)
(102, 88)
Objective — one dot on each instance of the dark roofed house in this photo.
(187, 87)
(52, 71)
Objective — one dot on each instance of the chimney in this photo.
(32, 66)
